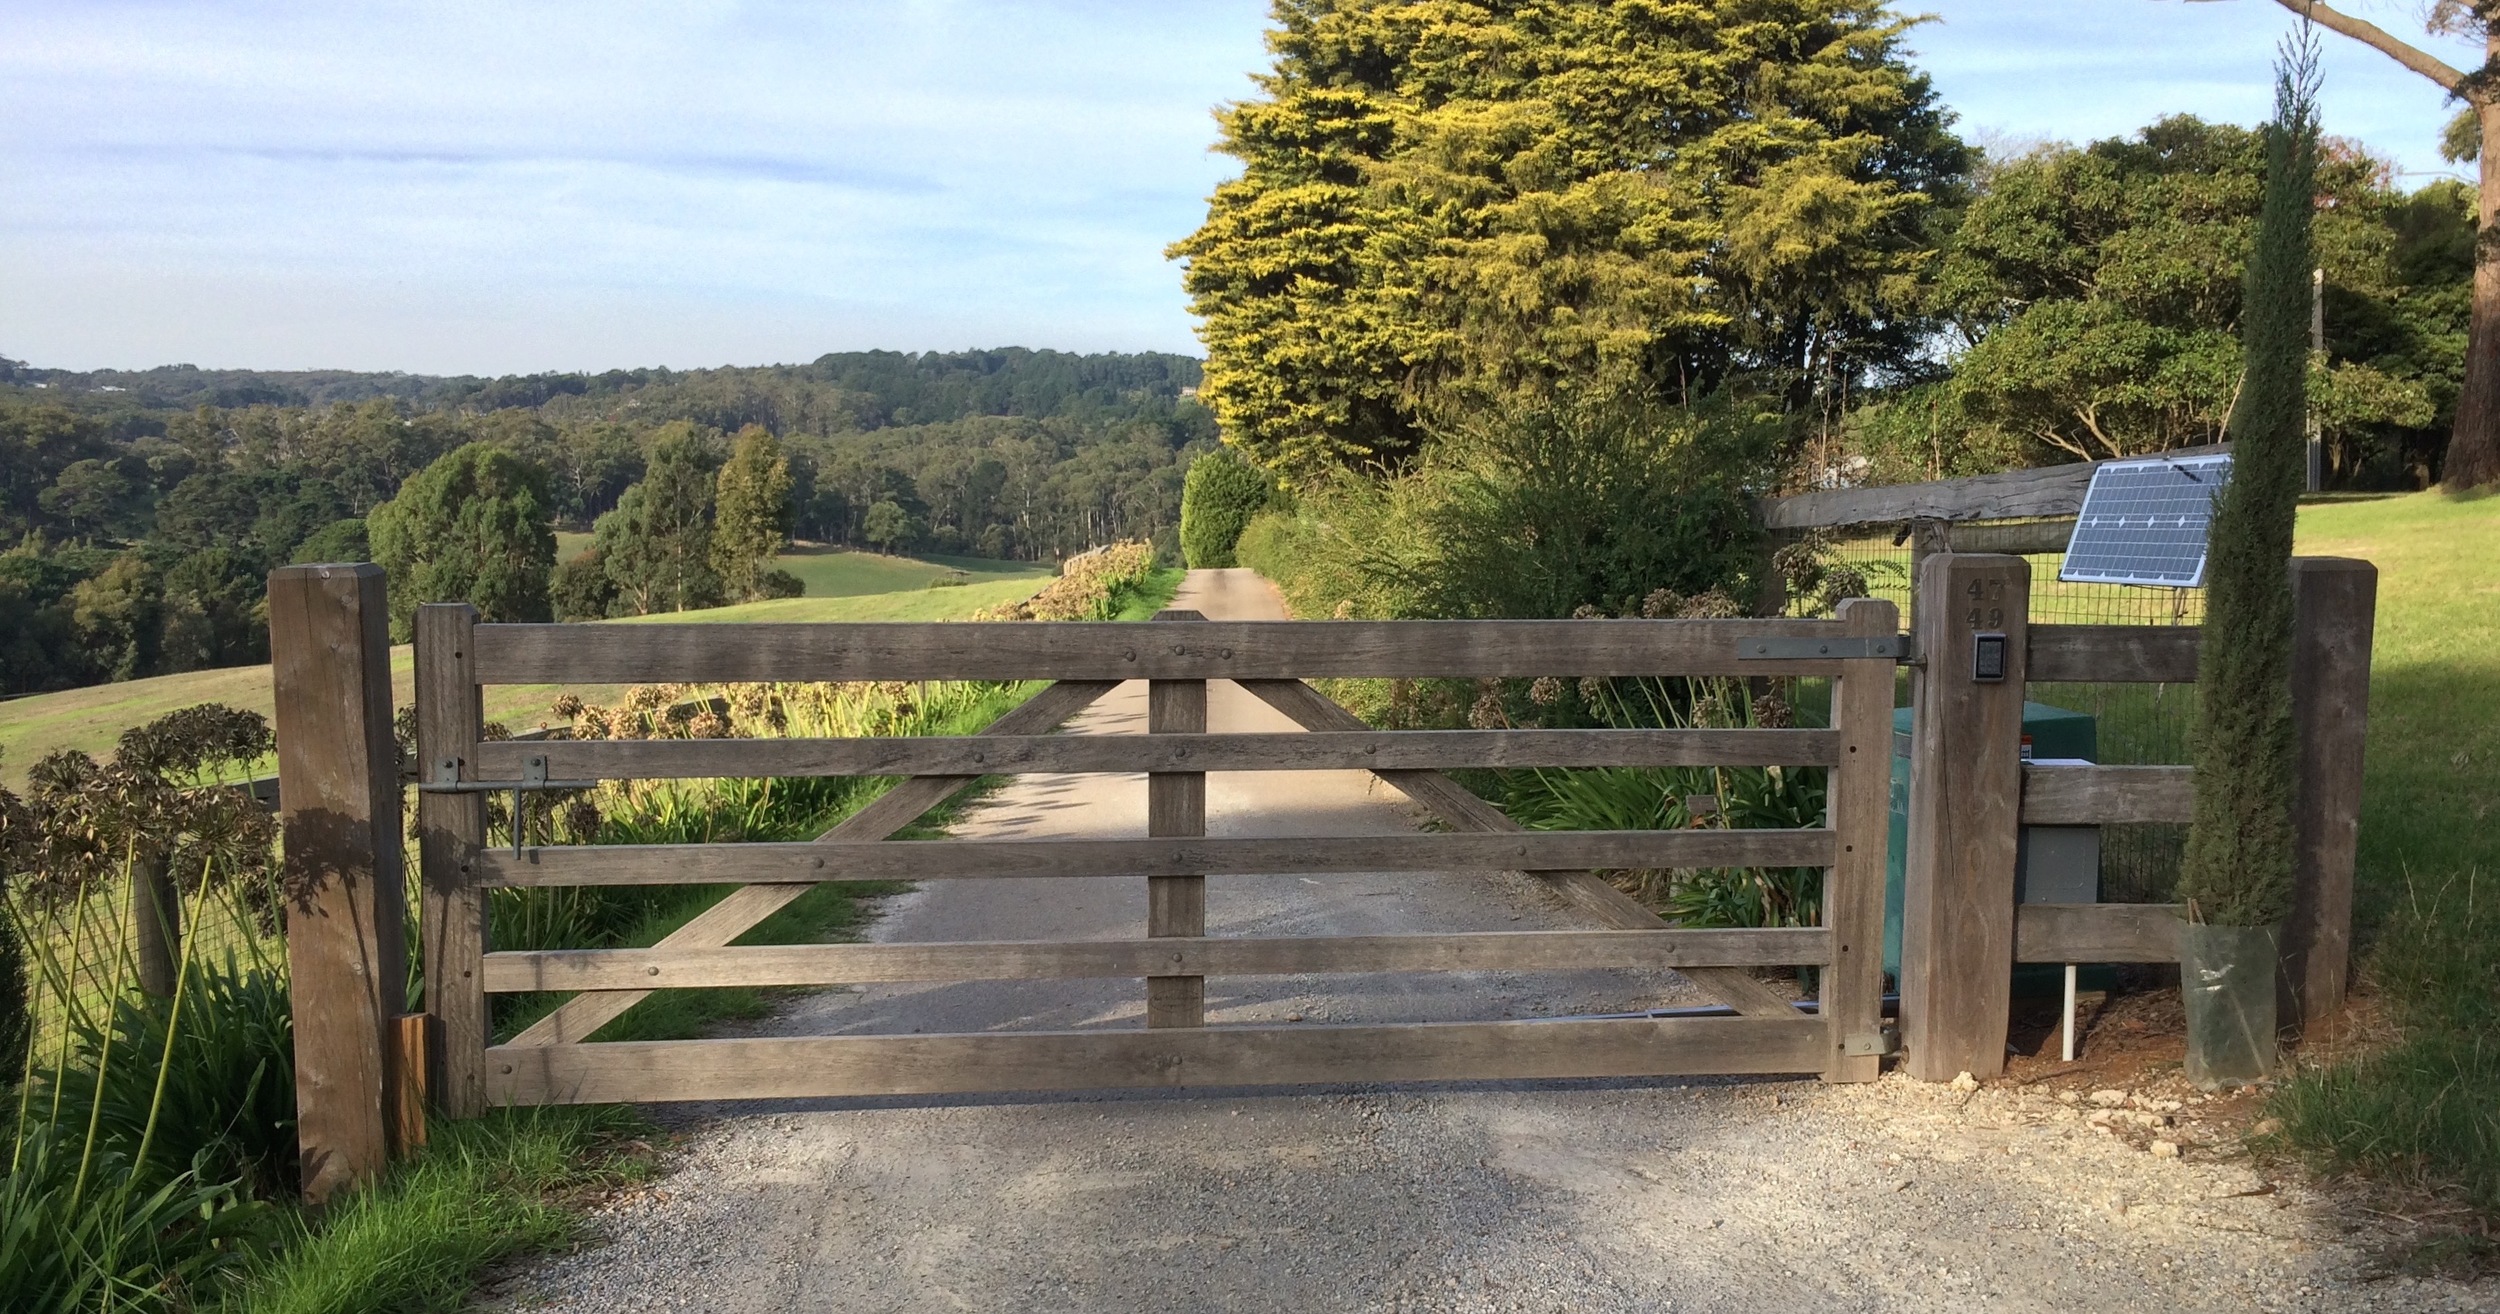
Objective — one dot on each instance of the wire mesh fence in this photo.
(2134, 724)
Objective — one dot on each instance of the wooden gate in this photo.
(551, 1062)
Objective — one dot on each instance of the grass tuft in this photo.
(485, 1190)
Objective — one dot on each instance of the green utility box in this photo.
(2054, 732)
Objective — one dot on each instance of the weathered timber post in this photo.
(451, 828)
(338, 773)
(1176, 807)
(155, 923)
(1853, 893)
(2334, 605)
(1957, 923)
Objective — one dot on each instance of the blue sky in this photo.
(489, 188)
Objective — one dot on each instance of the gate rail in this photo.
(551, 1063)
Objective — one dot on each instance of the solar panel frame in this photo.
(2145, 522)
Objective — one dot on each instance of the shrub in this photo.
(1536, 511)
(1218, 498)
(580, 589)
(1092, 585)
(224, 1109)
(1661, 798)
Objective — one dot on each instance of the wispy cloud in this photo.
(461, 185)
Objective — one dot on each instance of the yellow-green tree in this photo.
(1444, 203)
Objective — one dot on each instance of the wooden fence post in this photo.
(1176, 807)
(2335, 603)
(155, 923)
(1853, 894)
(1957, 922)
(451, 828)
(338, 773)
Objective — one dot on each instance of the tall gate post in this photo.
(1176, 808)
(2334, 604)
(338, 791)
(1853, 895)
(451, 828)
(1957, 921)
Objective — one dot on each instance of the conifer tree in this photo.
(1448, 206)
(752, 523)
(2237, 870)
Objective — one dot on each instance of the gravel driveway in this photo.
(1681, 1194)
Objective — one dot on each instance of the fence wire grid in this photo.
(2135, 724)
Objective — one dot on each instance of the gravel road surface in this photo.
(1683, 1194)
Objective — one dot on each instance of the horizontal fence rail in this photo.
(766, 864)
(2096, 932)
(2111, 654)
(1403, 750)
(837, 1066)
(2107, 795)
(1210, 650)
(1019, 960)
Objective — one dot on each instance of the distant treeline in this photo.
(147, 507)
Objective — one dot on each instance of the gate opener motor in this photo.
(1987, 657)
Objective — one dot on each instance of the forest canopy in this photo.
(146, 507)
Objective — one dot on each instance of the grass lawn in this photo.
(2433, 776)
(2418, 1104)
(93, 718)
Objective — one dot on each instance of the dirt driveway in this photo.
(1681, 1194)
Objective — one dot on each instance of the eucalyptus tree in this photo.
(2474, 444)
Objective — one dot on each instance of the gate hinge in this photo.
(1896, 647)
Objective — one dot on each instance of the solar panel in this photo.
(2144, 522)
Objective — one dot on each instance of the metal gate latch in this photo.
(533, 780)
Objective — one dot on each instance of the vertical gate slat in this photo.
(1176, 807)
(451, 828)
(1853, 892)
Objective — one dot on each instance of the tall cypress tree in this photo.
(2237, 870)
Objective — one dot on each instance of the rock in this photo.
(2067, 1097)
(1966, 1083)
(2109, 1099)
(2164, 1149)
(2266, 1127)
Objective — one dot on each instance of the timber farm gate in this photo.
(361, 1054)
(367, 1070)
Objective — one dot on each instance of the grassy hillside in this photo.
(837, 572)
(94, 718)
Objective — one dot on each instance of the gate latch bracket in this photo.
(1867, 1044)
(446, 780)
(1895, 646)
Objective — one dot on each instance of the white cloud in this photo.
(592, 183)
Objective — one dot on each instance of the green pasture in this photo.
(93, 718)
(838, 572)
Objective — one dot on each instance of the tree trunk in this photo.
(2474, 446)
